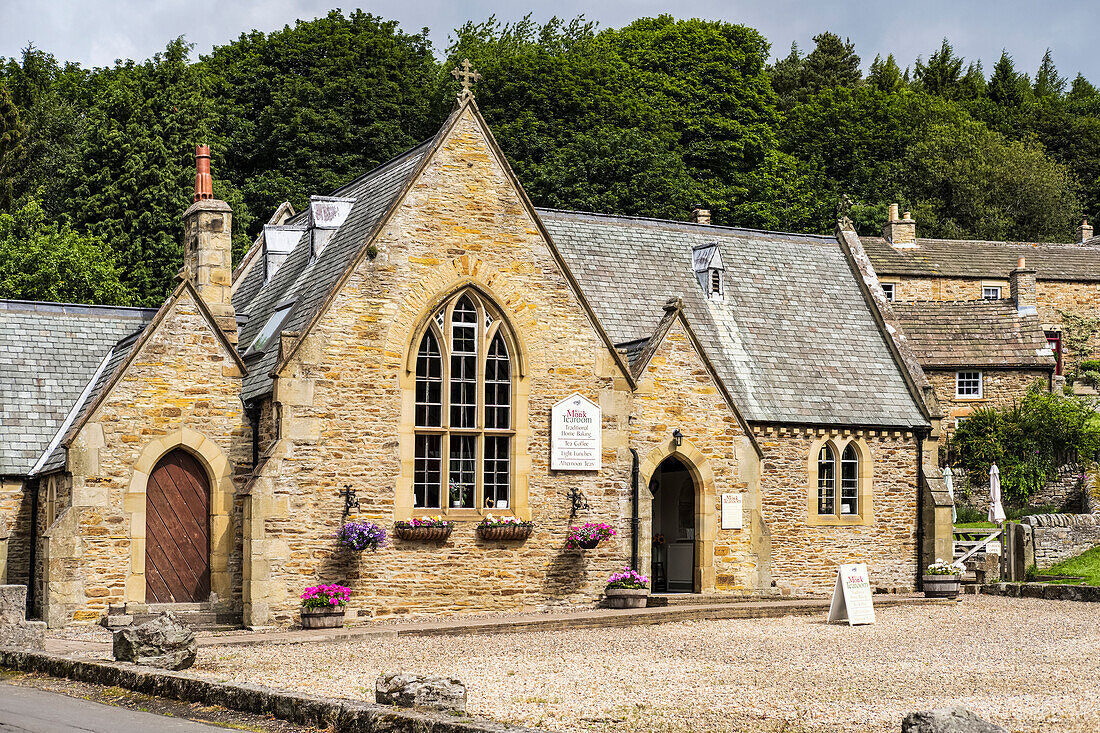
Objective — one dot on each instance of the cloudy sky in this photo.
(96, 32)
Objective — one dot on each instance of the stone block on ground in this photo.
(417, 691)
(15, 630)
(948, 720)
(164, 642)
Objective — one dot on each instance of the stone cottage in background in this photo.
(405, 339)
(1066, 278)
(980, 353)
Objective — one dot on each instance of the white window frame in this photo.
(991, 292)
(890, 290)
(271, 329)
(966, 376)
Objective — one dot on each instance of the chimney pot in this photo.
(204, 185)
(700, 216)
(1084, 231)
(1021, 263)
(893, 212)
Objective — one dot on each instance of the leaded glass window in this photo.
(826, 481)
(849, 481)
(463, 408)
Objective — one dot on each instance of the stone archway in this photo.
(222, 490)
(706, 510)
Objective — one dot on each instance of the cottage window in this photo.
(463, 409)
(991, 292)
(890, 290)
(840, 483)
(968, 385)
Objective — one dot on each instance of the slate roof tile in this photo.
(966, 258)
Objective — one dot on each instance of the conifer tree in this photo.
(885, 75)
(1006, 86)
(942, 74)
(1047, 81)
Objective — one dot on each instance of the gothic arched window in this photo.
(826, 480)
(464, 422)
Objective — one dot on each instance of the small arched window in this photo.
(464, 427)
(826, 480)
(849, 481)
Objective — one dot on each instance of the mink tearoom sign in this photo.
(576, 435)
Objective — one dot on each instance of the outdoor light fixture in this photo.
(578, 500)
(677, 437)
(350, 500)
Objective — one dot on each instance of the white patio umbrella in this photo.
(996, 511)
(949, 481)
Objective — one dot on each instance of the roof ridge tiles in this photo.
(44, 306)
(683, 224)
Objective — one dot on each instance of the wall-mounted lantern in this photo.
(677, 437)
(351, 501)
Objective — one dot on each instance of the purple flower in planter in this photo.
(359, 536)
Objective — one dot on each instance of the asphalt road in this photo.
(25, 709)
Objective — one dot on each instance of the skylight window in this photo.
(273, 326)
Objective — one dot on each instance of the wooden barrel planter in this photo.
(941, 586)
(627, 597)
(322, 618)
(514, 532)
(422, 534)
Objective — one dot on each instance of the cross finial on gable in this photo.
(466, 75)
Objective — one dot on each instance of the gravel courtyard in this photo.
(1029, 665)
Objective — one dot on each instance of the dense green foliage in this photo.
(652, 119)
(1027, 441)
(41, 260)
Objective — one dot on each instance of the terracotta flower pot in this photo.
(627, 597)
(504, 531)
(322, 618)
(941, 586)
(422, 534)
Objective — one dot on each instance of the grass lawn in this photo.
(1087, 564)
(975, 525)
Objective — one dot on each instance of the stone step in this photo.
(177, 608)
(661, 600)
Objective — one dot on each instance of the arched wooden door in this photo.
(177, 531)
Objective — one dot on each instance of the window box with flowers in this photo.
(423, 529)
(588, 536)
(323, 606)
(627, 588)
(359, 536)
(504, 528)
(942, 580)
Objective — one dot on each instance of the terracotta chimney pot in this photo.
(204, 185)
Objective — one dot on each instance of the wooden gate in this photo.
(177, 531)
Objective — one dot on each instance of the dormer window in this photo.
(707, 263)
(273, 326)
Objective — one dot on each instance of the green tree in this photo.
(942, 74)
(786, 77)
(973, 86)
(1047, 81)
(10, 133)
(885, 76)
(43, 260)
(1006, 86)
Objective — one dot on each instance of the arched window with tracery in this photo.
(464, 418)
(826, 480)
(849, 481)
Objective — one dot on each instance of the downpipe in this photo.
(634, 521)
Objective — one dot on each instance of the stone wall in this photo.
(804, 558)
(181, 389)
(1000, 388)
(15, 630)
(15, 519)
(1058, 537)
(1066, 491)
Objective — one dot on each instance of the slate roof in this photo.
(311, 282)
(48, 353)
(974, 333)
(981, 259)
(793, 338)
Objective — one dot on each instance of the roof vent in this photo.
(326, 214)
(706, 260)
(279, 242)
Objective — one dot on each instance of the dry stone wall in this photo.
(804, 558)
(1058, 537)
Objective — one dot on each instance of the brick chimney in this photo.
(208, 246)
(700, 216)
(1022, 288)
(900, 232)
(1084, 231)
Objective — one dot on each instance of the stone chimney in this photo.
(700, 216)
(1022, 287)
(208, 246)
(900, 232)
(1084, 231)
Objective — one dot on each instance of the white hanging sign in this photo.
(732, 510)
(852, 596)
(575, 435)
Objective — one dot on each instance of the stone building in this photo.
(980, 353)
(405, 340)
(1067, 277)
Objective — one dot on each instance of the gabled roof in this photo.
(974, 333)
(793, 338)
(48, 354)
(981, 259)
(311, 283)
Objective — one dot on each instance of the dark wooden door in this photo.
(177, 531)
